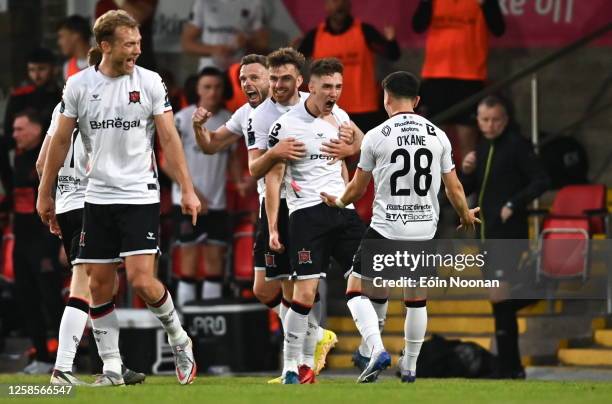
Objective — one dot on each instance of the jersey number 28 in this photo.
(419, 171)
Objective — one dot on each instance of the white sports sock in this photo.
(415, 327)
(320, 333)
(311, 338)
(295, 333)
(282, 312)
(211, 290)
(185, 292)
(366, 321)
(106, 333)
(167, 315)
(70, 333)
(381, 313)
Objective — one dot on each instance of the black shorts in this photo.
(370, 234)
(212, 228)
(320, 232)
(437, 95)
(71, 224)
(277, 266)
(111, 232)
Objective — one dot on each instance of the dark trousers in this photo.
(37, 281)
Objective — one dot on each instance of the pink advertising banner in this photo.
(529, 23)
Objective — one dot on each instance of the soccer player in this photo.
(210, 235)
(69, 201)
(405, 173)
(118, 106)
(316, 232)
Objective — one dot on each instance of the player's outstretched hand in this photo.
(336, 149)
(45, 206)
(200, 116)
(289, 149)
(471, 220)
(347, 133)
(329, 200)
(190, 205)
(275, 244)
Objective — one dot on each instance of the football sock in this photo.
(296, 325)
(415, 327)
(71, 329)
(106, 333)
(380, 306)
(275, 303)
(167, 315)
(284, 308)
(212, 287)
(185, 291)
(311, 338)
(366, 321)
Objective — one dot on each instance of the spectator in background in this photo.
(506, 175)
(456, 52)
(142, 11)
(40, 94)
(37, 279)
(220, 31)
(355, 43)
(73, 39)
(209, 237)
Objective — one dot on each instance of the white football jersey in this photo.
(407, 156)
(115, 118)
(307, 177)
(220, 22)
(260, 122)
(71, 179)
(208, 172)
(239, 121)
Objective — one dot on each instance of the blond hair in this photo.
(94, 56)
(105, 25)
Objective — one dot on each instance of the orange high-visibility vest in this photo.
(238, 98)
(457, 43)
(360, 92)
(72, 67)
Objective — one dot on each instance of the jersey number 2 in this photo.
(419, 171)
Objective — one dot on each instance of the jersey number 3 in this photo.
(419, 171)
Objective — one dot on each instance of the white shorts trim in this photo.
(138, 252)
(95, 261)
(259, 268)
(278, 277)
(305, 277)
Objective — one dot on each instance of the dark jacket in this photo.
(515, 175)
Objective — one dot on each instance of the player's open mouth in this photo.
(252, 95)
(130, 62)
(330, 104)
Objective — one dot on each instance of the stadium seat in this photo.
(6, 260)
(578, 212)
(244, 238)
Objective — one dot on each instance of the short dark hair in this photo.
(78, 24)
(254, 58)
(41, 55)
(285, 56)
(492, 101)
(211, 71)
(32, 115)
(401, 84)
(326, 67)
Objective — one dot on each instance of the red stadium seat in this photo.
(8, 244)
(578, 212)
(244, 238)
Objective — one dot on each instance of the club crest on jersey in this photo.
(386, 130)
(134, 97)
(304, 257)
(270, 262)
(82, 239)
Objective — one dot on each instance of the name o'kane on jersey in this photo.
(307, 177)
(407, 156)
(116, 122)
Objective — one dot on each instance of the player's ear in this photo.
(311, 86)
(300, 80)
(416, 102)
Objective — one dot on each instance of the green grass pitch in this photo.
(329, 389)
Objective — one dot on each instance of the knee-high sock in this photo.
(380, 306)
(312, 335)
(366, 321)
(296, 323)
(71, 329)
(275, 303)
(106, 333)
(167, 315)
(185, 291)
(415, 327)
(283, 310)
